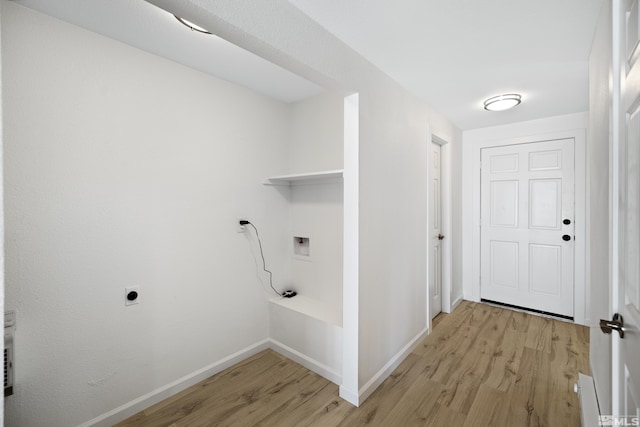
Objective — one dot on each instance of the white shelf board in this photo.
(310, 307)
(304, 177)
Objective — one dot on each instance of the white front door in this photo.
(626, 290)
(435, 230)
(527, 225)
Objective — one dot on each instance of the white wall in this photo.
(125, 169)
(391, 298)
(393, 229)
(315, 211)
(349, 388)
(309, 340)
(392, 168)
(316, 134)
(599, 158)
(570, 125)
(456, 221)
(316, 144)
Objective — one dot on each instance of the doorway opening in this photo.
(439, 227)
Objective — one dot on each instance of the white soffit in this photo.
(456, 53)
(145, 26)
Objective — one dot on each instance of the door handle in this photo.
(566, 237)
(617, 324)
(440, 236)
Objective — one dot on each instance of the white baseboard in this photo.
(306, 361)
(350, 396)
(371, 385)
(131, 408)
(456, 303)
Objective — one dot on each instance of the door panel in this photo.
(544, 202)
(626, 367)
(504, 264)
(626, 363)
(526, 192)
(436, 275)
(545, 269)
(504, 163)
(436, 204)
(545, 160)
(504, 203)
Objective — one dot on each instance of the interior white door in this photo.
(527, 230)
(435, 230)
(626, 290)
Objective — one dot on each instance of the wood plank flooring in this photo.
(481, 366)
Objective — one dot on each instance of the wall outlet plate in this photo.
(240, 228)
(129, 295)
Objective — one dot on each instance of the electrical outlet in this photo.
(131, 295)
(239, 227)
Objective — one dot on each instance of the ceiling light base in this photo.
(191, 25)
(502, 102)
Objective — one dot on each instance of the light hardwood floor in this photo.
(481, 366)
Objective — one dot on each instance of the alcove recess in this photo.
(308, 327)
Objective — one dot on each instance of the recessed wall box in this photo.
(302, 246)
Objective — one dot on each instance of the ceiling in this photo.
(147, 27)
(456, 53)
(451, 53)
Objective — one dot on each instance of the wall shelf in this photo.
(305, 178)
(310, 307)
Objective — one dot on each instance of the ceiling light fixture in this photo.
(191, 25)
(502, 102)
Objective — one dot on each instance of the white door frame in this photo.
(445, 176)
(580, 288)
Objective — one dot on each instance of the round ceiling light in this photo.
(191, 25)
(502, 102)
